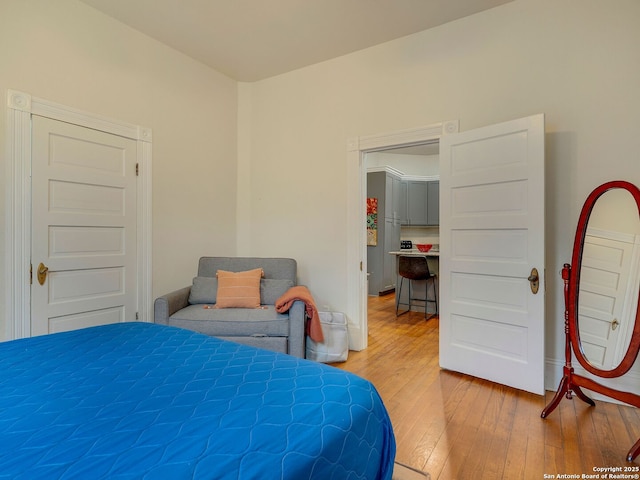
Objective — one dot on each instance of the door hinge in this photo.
(137, 316)
(31, 274)
(137, 169)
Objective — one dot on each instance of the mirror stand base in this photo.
(633, 453)
(566, 389)
(571, 383)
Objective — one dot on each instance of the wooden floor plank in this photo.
(455, 427)
(526, 443)
(449, 453)
(571, 456)
(499, 436)
(468, 452)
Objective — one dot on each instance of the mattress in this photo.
(147, 401)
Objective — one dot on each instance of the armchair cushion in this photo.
(271, 289)
(233, 321)
(203, 290)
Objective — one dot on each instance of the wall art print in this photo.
(372, 221)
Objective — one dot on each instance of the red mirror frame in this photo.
(574, 287)
(572, 383)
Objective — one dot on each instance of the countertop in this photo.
(416, 252)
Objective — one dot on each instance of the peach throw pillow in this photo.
(239, 289)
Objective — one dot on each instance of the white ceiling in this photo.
(250, 40)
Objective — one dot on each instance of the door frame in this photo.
(21, 106)
(357, 148)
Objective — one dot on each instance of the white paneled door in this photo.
(491, 239)
(83, 249)
(609, 270)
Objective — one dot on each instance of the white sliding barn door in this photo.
(491, 237)
(84, 227)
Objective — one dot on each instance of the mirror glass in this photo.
(609, 279)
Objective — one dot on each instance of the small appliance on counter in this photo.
(406, 245)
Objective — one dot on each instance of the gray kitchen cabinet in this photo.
(393, 191)
(381, 266)
(404, 202)
(423, 203)
(392, 240)
(417, 202)
(433, 203)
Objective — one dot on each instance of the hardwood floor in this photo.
(456, 427)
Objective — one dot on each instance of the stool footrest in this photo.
(432, 280)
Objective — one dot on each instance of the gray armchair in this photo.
(193, 307)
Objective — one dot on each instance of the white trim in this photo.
(421, 178)
(18, 209)
(398, 173)
(37, 106)
(144, 243)
(385, 168)
(357, 147)
(406, 138)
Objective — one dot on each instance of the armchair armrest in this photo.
(168, 304)
(297, 329)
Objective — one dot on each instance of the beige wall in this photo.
(68, 53)
(575, 61)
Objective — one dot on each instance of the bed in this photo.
(140, 400)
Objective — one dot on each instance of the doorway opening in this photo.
(359, 149)
(492, 218)
(389, 224)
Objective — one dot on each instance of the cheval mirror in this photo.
(602, 329)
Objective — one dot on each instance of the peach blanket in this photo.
(300, 292)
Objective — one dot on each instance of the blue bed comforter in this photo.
(145, 401)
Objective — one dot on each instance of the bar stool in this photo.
(416, 268)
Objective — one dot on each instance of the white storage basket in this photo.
(335, 347)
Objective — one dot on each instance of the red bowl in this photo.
(423, 247)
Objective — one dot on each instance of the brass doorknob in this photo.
(42, 273)
(534, 280)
